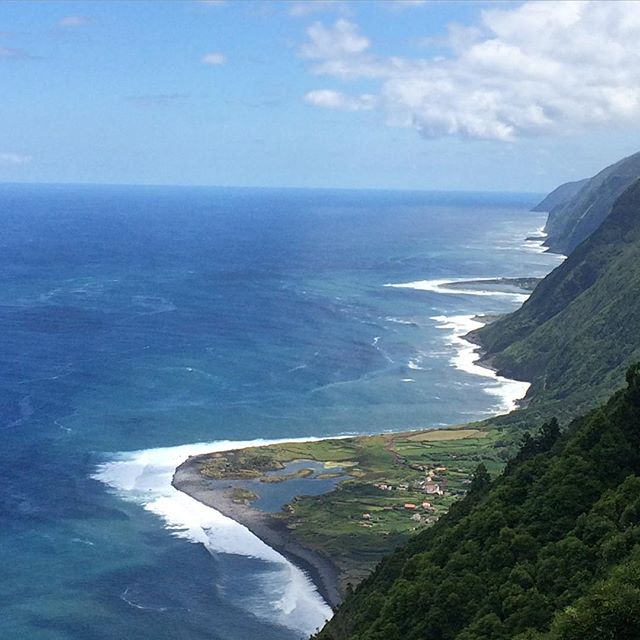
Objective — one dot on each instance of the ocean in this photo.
(140, 325)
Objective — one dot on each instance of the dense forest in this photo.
(579, 330)
(550, 550)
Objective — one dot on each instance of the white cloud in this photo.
(542, 67)
(74, 21)
(341, 40)
(330, 99)
(214, 58)
(13, 159)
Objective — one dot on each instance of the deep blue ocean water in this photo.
(138, 319)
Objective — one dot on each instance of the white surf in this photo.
(285, 596)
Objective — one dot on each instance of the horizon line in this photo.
(264, 188)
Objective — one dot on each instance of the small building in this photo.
(410, 506)
(416, 517)
(403, 487)
(435, 488)
(426, 505)
(366, 516)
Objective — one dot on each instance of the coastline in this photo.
(270, 529)
(273, 531)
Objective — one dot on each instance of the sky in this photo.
(414, 94)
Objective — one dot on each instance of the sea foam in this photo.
(466, 357)
(285, 596)
(440, 286)
(466, 353)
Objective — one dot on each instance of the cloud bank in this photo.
(540, 68)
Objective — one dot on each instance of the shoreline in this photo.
(320, 569)
(273, 531)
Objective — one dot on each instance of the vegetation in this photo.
(560, 196)
(578, 331)
(549, 551)
(360, 522)
(577, 209)
(238, 494)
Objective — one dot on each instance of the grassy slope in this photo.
(580, 329)
(549, 551)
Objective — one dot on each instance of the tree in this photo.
(481, 479)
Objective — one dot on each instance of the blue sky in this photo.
(420, 95)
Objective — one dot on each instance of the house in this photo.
(435, 488)
(410, 506)
(426, 505)
(366, 516)
(416, 517)
(403, 487)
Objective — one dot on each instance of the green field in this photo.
(358, 523)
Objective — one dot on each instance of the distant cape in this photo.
(577, 209)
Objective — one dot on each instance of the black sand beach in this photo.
(270, 529)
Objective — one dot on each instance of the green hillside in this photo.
(580, 329)
(549, 551)
(577, 209)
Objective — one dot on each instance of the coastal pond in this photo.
(296, 478)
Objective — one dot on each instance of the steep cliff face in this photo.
(580, 329)
(560, 196)
(548, 551)
(577, 209)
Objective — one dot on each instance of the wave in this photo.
(466, 357)
(376, 345)
(439, 286)
(285, 595)
(410, 323)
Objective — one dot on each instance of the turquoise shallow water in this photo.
(137, 319)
